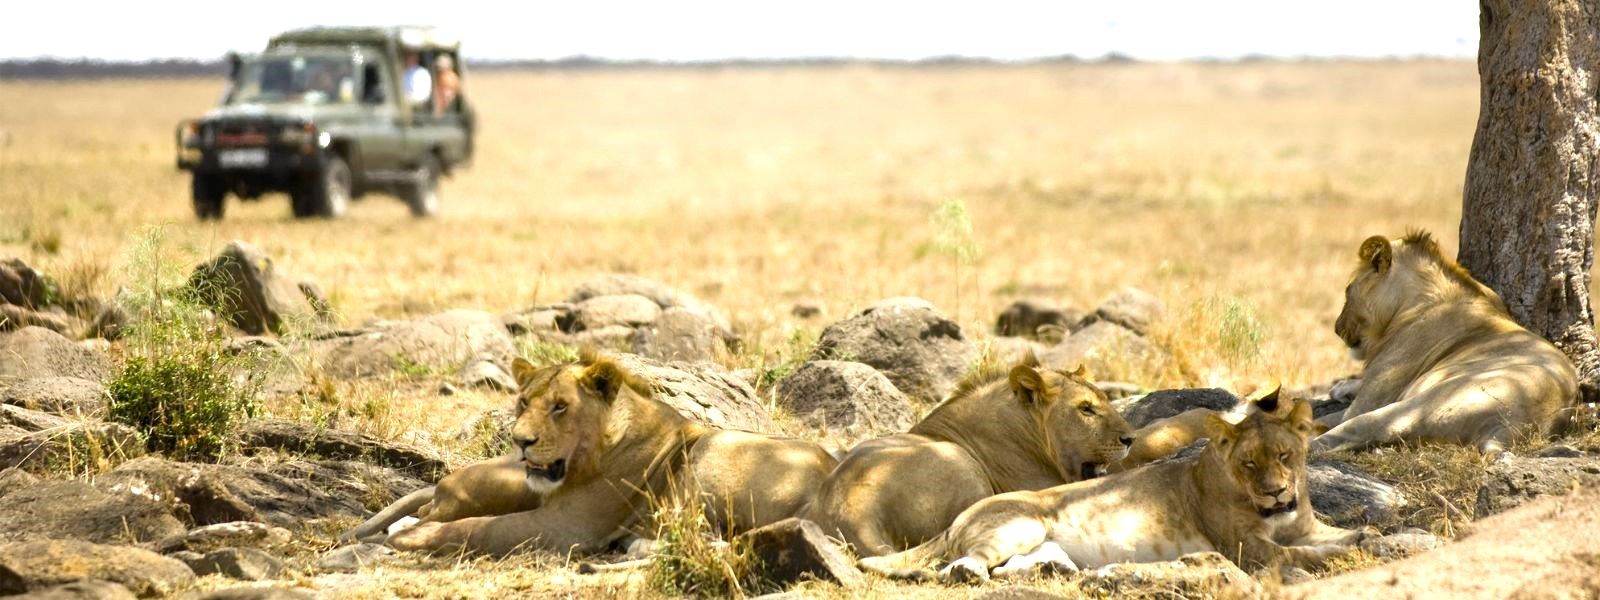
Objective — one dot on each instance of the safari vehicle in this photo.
(323, 114)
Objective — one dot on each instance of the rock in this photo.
(848, 398)
(62, 395)
(17, 317)
(1110, 351)
(1513, 480)
(88, 589)
(704, 392)
(1130, 307)
(283, 492)
(22, 286)
(1290, 575)
(613, 337)
(241, 284)
(793, 549)
(1162, 404)
(78, 510)
(109, 322)
(806, 309)
(917, 348)
(1021, 593)
(30, 420)
(539, 319)
(613, 284)
(628, 310)
(260, 593)
(15, 479)
(245, 564)
(447, 340)
(1559, 451)
(487, 375)
(1202, 574)
(70, 447)
(679, 334)
(40, 564)
(235, 533)
(1544, 549)
(1024, 317)
(1347, 497)
(298, 437)
(33, 352)
(1400, 545)
(350, 559)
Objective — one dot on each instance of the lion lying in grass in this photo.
(594, 450)
(1444, 360)
(1244, 496)
(1026, 429)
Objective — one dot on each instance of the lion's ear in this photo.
(1266, 398)
(1302, 419)
(604, 377)
(523, 371)
(1029, 360)
(1083, 372)
(1377, 252)
(1027, 384)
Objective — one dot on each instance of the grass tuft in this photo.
(689, 561)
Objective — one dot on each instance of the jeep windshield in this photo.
(295, 78)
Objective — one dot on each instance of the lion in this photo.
(1244, 496)
(1444, 360)
(597, 451)
(1026, 429)
(1165, 437)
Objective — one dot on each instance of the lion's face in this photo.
(1366, 298)
(1265, 455)
(560, 414)
(1088, 433)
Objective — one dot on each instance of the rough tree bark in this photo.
(1527, 218)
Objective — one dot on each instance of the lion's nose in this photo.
(525, 442)
(1126, 441)
(1275, 493)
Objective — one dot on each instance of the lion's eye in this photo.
(558, 408)
(1087, 409)
(1283, 456)
(1250, 464)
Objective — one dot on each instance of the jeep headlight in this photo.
(189, 134)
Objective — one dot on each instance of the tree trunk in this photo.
(1527, 218)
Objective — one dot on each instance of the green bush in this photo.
(184, 402)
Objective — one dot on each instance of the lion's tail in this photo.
(915, 563)
(391, 513)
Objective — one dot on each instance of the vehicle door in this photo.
(379, 132)
(442, 121)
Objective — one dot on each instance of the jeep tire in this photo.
(421, 194)
(325, 194)
(208, 192)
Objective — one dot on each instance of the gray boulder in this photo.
(260, 593)
(281, 491)
(704, 392)
(795, 549)
(1512, 481)
(448, 341)
(62, 395)
(917, 348)
(41, 564)
(679, 334)
(847, 398)
(70, 445)
(628, 310)
(304, 438)
(245, 564)
(33, 352)
(222, 535)
(1161, 404)
(1130, 307)
(241, 284)
(349, 559)
(1024, 317)
(88, 589)
(664, 296)
(1347, 497)
(1111, 351)
(488, 375)
(78, 510)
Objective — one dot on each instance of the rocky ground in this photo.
(95, 503)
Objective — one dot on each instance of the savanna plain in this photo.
(1236, 193)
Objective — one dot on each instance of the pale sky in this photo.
(686, 30)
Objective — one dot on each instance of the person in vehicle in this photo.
(419, 84)
(447, 84)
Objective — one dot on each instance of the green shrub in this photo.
(184, 402)
(690, 562)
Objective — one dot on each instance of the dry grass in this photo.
(1235, 192)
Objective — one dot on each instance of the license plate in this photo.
(242, 159)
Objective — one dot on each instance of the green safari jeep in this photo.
(330, 114)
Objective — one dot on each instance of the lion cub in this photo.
(1244, 496)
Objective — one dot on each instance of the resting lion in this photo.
(1244, 496)
(1445, 362)
(1027, 429)
(597, 450)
